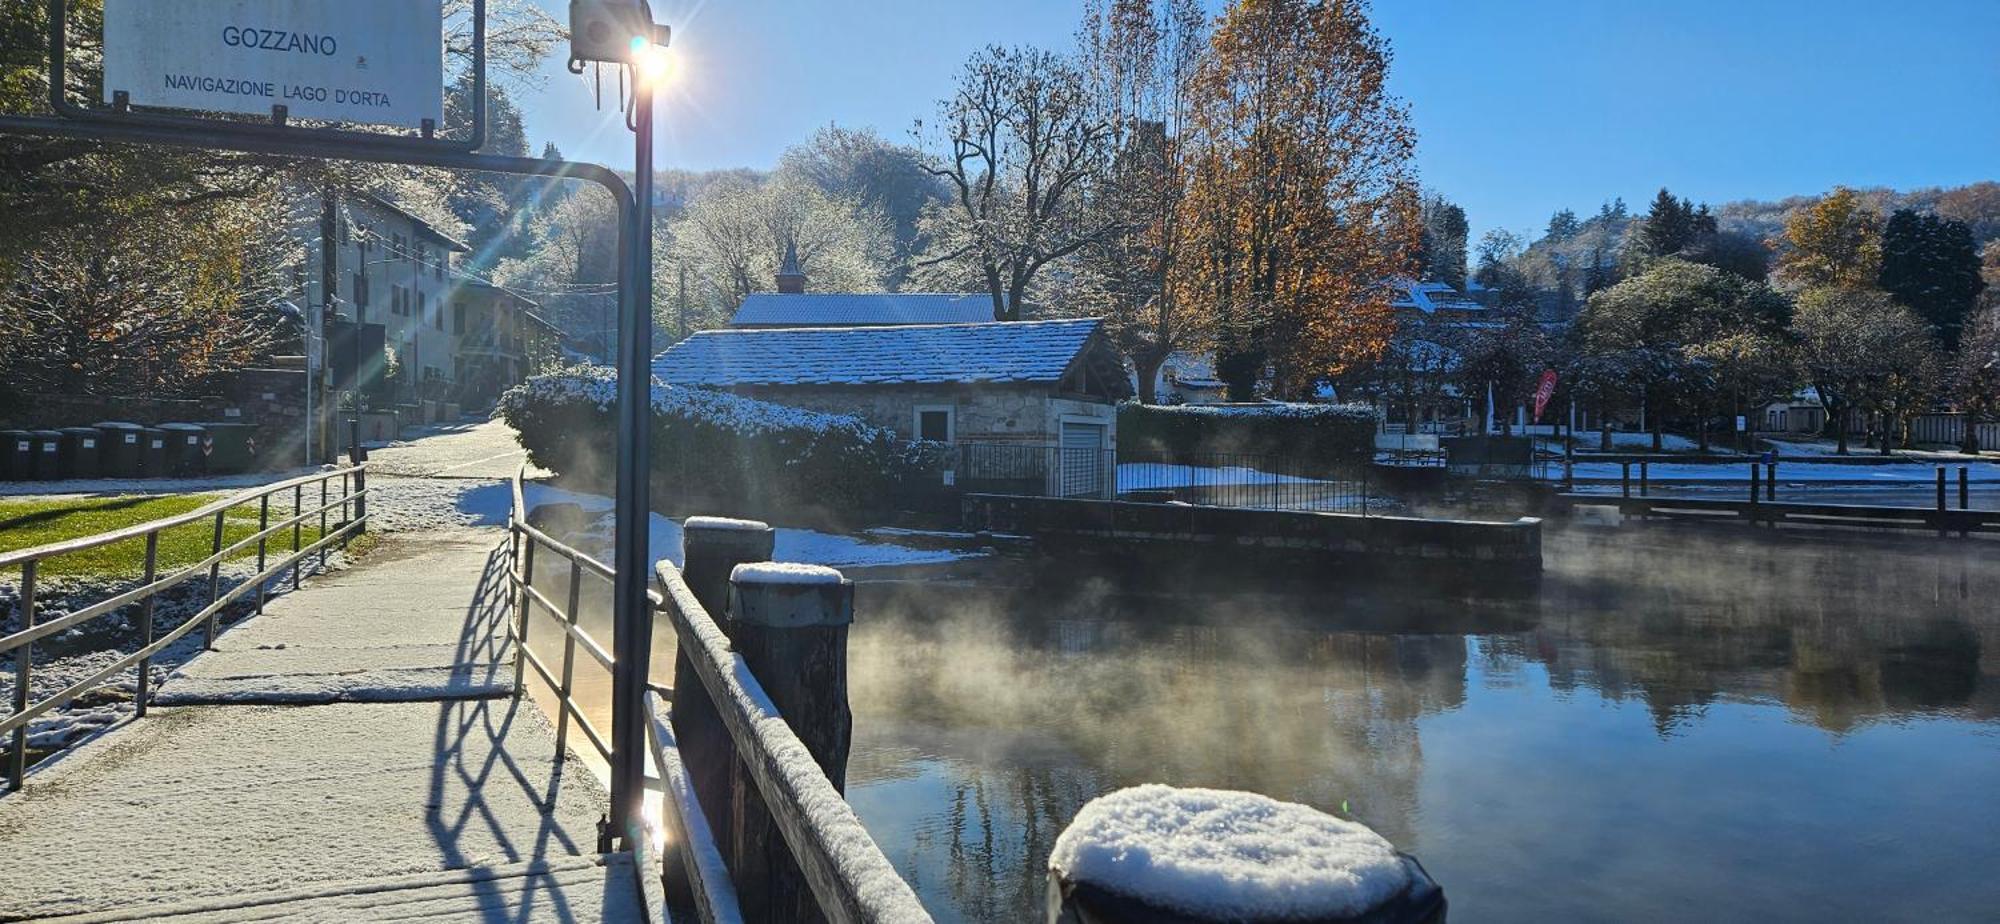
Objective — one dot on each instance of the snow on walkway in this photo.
(404, 766)
(419, 619)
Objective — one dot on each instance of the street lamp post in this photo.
(632, 627)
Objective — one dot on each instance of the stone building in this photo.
(1027, 383)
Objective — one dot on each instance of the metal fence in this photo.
(353, 515)
(1250, 480)
(843, 877)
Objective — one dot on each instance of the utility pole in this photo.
(317, 436)
(682, 324)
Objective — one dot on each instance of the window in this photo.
(423, 254)
(437, 317)
(458, 319)
(934, 422)
(437, 269)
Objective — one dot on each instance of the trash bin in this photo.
(17, 455)
(121, 449)
(230, 447)
(153, 453)
(184, 456)
(78, 458)
(47, 450)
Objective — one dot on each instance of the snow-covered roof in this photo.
(831, 309)
(1020, 351)
(1429, 297)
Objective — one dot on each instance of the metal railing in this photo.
(352, 504)
(524, 540)
(814, 820)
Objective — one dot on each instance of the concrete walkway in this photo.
(398, 779)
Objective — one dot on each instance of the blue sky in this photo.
(1522, 106)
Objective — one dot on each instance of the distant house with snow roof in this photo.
(793, 306)
(1434, 301)
(1042, 383)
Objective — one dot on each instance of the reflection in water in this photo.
(1672, 726)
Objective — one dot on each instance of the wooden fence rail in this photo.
(751, 773)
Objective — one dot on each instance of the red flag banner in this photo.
(1544, 390)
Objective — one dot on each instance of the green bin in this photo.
(17, 455)
(78, 457)
(153, 453)
(121, 449)
(230, 447)
(48, 456)
(184, 443)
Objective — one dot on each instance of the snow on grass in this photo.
(1228, 856)
(804, 546)
(1139, 476)
(91, 487)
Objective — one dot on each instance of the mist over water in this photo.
(1673, 726)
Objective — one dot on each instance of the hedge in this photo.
(721, 453)
(1334, 434)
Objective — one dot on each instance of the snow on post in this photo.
(712, 547)
(789, 624)
(1192, 856)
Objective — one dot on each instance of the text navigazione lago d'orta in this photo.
(285, 42)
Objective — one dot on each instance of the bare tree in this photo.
(1143, 58)
(1027, 142)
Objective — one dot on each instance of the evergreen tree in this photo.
(1563, 225)
(1444, 242)
(1931, 266)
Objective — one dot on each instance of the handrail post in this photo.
(322, 525)
(791, 630)
(214, 584)
(569, 657)
(298, 511)
(521, 604)
(146, 622)
(24, 660)
(1755, 487)
(711, 549)
(1645, 478)
(263, 539)
(1625, 478)
(346, 498)
(1771, 480)
(1964, 488)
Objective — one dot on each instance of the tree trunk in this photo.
(1147, 367)
(1883, 424)
(1838, 417)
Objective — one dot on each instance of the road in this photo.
(464, 450)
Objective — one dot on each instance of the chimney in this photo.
(791, 279)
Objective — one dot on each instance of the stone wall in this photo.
(995, 413)
(1501, 549)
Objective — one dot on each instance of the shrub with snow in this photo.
(1336, 435)
(745, 455)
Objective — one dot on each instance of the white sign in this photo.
(377, 62)
(1742, 423)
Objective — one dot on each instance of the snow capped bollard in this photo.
(1194, 856)
(711, 548)
(789, 623)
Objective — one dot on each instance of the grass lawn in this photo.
(29, 522)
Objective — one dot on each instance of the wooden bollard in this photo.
(712, 547)
(789, 622)
(1194, 856)
(1755, 487)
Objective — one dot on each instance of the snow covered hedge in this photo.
(735, 454)
(1336, 434)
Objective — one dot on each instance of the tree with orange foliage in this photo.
(1302, 198)
(1836, 241)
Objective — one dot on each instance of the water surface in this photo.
(1674, 725)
